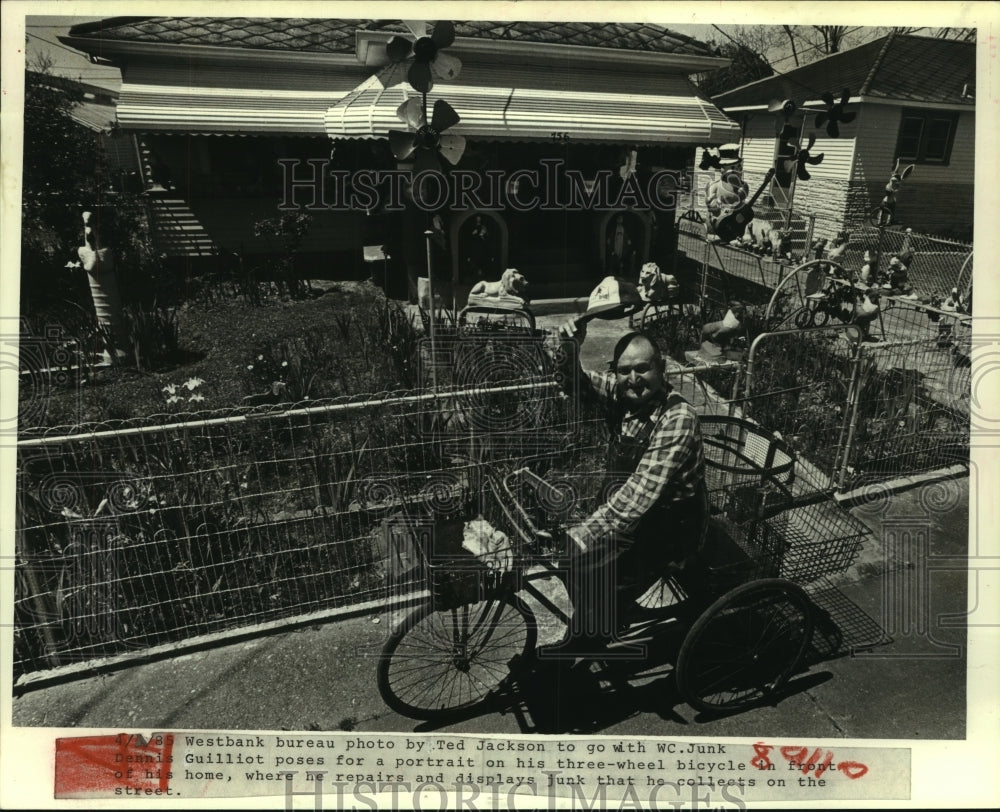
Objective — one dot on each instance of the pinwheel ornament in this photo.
(783, 109)
(426, 52)
(424, 142)
(802, 157)
(834, 114)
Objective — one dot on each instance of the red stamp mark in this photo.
(126, 764)
(813, 763)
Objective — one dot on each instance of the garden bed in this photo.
(348, 340)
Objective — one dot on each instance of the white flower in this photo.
(193, 383)
(196, 397)
(260, 357)
(284, 363)
(170, 388)
(250, 367)
(173, 399)
(72, 264)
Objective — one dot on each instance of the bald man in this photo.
(655, 505)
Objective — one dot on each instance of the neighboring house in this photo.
(915, 101)
(218, 102)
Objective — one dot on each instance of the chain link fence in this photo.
(937, 267)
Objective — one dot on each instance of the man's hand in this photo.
(576, 330)
(577, 546)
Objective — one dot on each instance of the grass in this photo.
(348, 340)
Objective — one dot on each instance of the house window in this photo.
(926, 136)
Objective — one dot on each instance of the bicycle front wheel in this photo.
(440, 662)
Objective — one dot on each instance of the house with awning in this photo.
(913, 100)
(580, 122)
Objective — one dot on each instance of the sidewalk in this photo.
(322, 677)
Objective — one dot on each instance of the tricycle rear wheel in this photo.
(745, 646)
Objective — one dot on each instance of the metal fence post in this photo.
(845, 447)
(809, 237)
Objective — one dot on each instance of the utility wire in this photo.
(788, 75)
(771, 64)
(55, 44)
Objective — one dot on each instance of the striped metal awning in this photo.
(230, 101)
(515, 102)
(498, 112)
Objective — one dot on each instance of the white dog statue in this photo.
(507, 292)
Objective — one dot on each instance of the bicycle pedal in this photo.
(630, 641)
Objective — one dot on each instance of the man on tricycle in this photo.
(655, 507)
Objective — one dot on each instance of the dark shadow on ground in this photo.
(589, 694)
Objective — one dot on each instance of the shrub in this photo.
(153, 335)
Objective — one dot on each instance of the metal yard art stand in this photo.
(425, 141)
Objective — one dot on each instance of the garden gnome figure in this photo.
(99, 263)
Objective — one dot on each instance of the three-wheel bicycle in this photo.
(745, 628)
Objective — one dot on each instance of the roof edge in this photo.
(123, 49)
(550, 51)
(82, 29)
(879, 59)
(791, 73)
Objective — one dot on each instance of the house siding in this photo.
(934, 199)
(843, 190)
(824, 195)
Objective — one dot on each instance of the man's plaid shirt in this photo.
(671, 469)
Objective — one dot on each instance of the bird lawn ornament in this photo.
(629, 167)
(834, 115)
(869, 269)
(839, 245)
(99, 262)
(426, 52)
(721, 333)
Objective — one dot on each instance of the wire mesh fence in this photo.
(937, 265)
(882, 391)
(911, 302)
(799, 383)
(149, 533)
(910, 411)
(861, 411)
